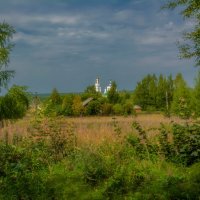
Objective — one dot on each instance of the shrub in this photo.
(107, 109)
(93, 108)
(118, 109)
(21, 171)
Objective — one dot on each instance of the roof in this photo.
(84, 103)
(137, 107)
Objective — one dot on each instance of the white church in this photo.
(98, 86)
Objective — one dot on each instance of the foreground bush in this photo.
(132, 167)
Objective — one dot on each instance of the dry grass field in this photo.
(95, 130)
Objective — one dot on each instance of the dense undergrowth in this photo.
(50, 165)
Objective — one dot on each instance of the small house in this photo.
(137, 108)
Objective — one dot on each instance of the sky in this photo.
(66, 44)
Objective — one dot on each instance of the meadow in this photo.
(95, 129)
(148, 156)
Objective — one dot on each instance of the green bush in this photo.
(14, 104)
(22, 172)
(93, 108)
(50, 166)
(107, 109)
(118, 109)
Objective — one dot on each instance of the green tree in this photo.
(90, 89)
(14, 104)
(154, 93)
(6, 33)
(93, 108)
(53, 105)
(152, 90)
(181, 104)
(123, 96)
(55, 97)
(118, 109)
(107, 108)
(162, 88)
(190, 10)
(113, 95)
(145, 92)
(67, 105)
(170, 89)
(77, 106)
(196, 96)
(128, 107)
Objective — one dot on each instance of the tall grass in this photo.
(100, 158)
(95, 130)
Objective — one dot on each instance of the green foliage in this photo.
(93, 108)
(128, 107)
(196, 96)
(181, 104)
(117, 128)
(77, 106)
(150, 92)
(118, 109)
(60, 137)
(166, 147)
(14, 104)
(55, 97)
(53, 105)
(107, 109)
(183, 149)
(21, 171)
(143, 148)
(142, 92)
(163, 87)
(6, 33)
(187, 143)
(90, 90)
(113, 95)
(124, 96)
(153, 93)
(51, 110)
(133, 167)
(190, 10)
(67, 105)
(95, 168)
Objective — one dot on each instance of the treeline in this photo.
(153, 93)
(173, 96)
(118, 103)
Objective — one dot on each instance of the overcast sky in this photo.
(65, 44)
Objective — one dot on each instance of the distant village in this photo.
(98, 86)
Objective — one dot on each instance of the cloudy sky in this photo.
(67, 43)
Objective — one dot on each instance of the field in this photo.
(96, 129)
(143, 157)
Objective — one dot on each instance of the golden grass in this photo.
(95, 130)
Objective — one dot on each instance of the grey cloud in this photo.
(67, 48)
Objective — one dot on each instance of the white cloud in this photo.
(81, 33)
(26, 20)
(29, 39)
(123, 15)
(57, 19)
(165, 34)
